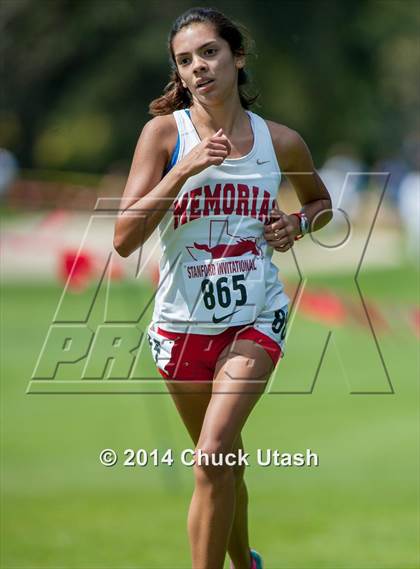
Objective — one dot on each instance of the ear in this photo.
(240, 61)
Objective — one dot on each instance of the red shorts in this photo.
(193, 357)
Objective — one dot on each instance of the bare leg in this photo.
(192, 400)
(238, 546)
(238, 384)
(210, 516)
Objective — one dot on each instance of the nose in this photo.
(199, 64)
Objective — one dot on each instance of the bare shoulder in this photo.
(291, 150)
(164, 124)
(283, 135)
(162, 132)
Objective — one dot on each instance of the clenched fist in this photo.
(282, 230)
(210, 152)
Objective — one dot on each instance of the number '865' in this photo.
(221, 291)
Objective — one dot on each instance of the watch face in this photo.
(304, 224)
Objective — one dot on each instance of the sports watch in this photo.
(303, 224)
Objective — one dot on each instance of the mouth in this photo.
(203, 83)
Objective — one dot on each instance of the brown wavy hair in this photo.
(175, 96)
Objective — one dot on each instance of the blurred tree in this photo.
(78, 75)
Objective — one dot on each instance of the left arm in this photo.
(296, 163)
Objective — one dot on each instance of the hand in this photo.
(281, 232)
(210, 152)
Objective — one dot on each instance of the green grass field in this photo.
(359, 509)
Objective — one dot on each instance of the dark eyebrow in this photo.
(201, 47)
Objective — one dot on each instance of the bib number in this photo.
(220, 291)
(227, 291)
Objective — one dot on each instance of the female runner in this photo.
(206, 172)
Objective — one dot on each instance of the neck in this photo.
(228, 116)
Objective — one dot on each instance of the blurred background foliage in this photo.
(79, 75)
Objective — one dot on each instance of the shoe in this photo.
(256, 560)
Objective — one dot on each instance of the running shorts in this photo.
(193, 357)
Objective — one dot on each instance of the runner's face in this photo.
(205, 63)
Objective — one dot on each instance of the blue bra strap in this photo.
(174, 156)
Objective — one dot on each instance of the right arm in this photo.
(147, 196)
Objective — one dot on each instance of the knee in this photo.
(213, 464)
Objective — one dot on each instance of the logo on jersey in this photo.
(221, 243)
(241, 247)
(223, 199)
(217, 320)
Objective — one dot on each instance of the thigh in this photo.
(240, 378)
(191, 400)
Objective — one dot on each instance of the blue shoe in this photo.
(257, 562)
